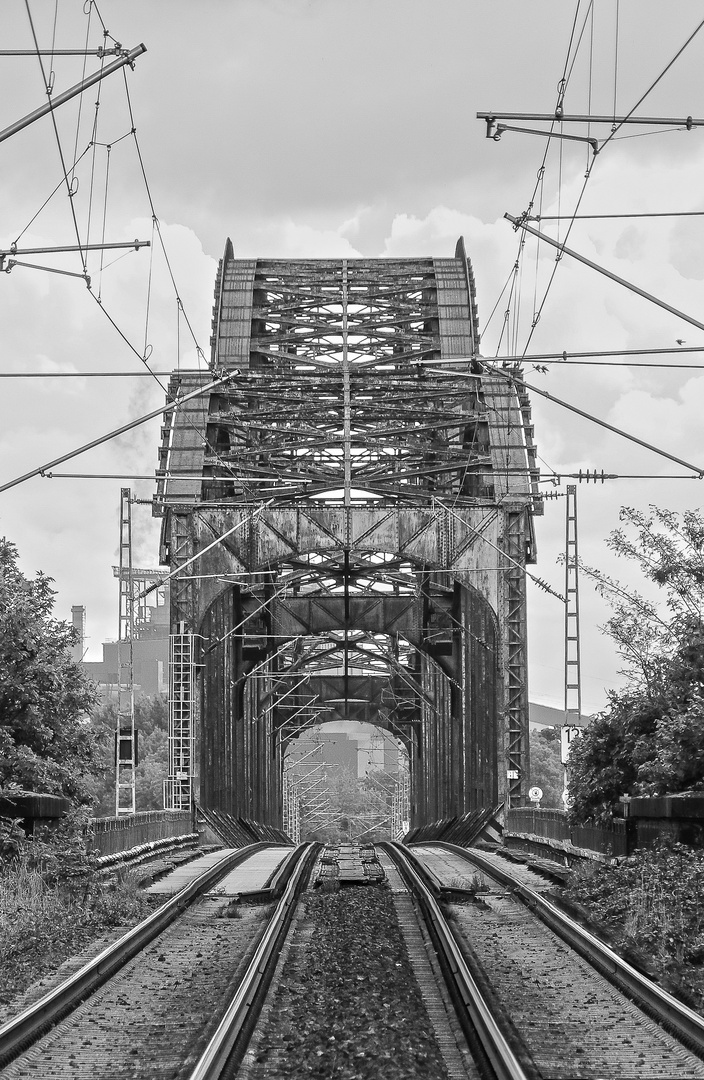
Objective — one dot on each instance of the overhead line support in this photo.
(500, 128)
(519, 223)
(118, 431)
(602, 423)
(559, 117)
(60, 99)
(125, 736)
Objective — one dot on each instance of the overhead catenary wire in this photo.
(563, 250)
(504, 554)
(218, 540)
(513, 377)
(49, 88)
(615, 127)
(80, 248)
(156, 227)
(523, 226)
(619, 125)
(618, 8)
(70, 186)
(83, 374)
(114, 434)
(564, 357)
(155, 219)
(49, 197)
(98, 297)
(561, 90)
(513, 275)
(83, 75)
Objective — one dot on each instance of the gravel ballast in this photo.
(347, 1003)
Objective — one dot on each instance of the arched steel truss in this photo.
(363, 510)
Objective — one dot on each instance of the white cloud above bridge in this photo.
(337, 129)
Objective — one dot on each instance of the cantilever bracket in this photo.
(500, 128)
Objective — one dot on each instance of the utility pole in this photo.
(573, 688)
(125, 740)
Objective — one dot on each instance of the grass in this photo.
(43, 922)
(475, 884)
(652, 904)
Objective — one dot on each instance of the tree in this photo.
(151, 718)
(546, 769)
(650, 738)
(46, 742)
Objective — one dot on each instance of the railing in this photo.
(113, 834)
(553, 825)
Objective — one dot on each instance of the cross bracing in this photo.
(361, 517)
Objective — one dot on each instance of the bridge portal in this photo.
(348, 516)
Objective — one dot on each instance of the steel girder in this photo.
(375, 480)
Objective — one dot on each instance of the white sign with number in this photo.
(567, 734)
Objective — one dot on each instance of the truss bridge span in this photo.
(347, 518)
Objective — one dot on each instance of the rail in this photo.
(666, 1009)
(22, 1030)
(242, 1011)
(473, 1011)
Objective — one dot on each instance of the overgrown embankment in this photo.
(652, 906)
(53, 903)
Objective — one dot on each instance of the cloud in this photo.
(69, 527)
(287, 239)
(300, 133)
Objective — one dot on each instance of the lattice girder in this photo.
(375, 479)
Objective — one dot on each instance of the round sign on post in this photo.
(535, 794)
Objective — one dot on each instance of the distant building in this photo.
(356, 746)
(150, 651)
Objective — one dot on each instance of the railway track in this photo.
(152, 1002)
(528, 972)
(211, 998)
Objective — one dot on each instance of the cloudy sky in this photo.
(344, 128)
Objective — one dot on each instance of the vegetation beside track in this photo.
(351, 1006)
(652, 908)
(53, 903)
(649, 740)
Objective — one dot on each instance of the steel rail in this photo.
(475, 1012)
(244, 1004)
(665, 1008)
(21, 1030)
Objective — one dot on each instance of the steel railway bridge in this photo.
(348, 516)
